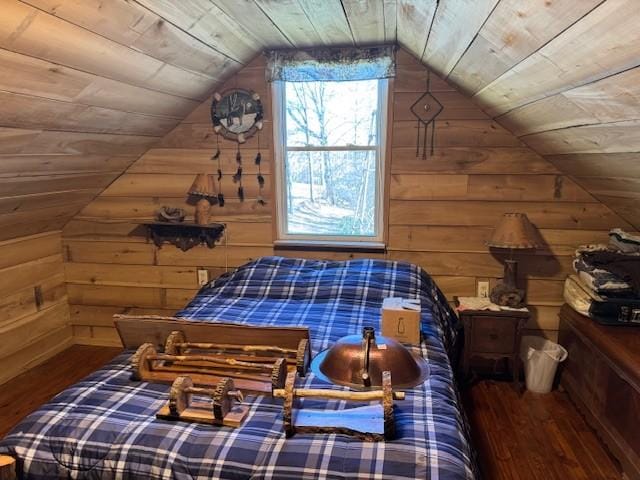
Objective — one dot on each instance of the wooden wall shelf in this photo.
(184, 235)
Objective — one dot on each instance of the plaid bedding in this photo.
(105, 427)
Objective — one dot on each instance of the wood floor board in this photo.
(26, 392)
(528, 436)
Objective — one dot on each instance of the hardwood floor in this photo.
(25, 393)
(518, 437)
(532, 436)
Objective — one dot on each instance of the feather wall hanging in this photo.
(216, 157)
(258, 161)
(237, 178)
(236, 114)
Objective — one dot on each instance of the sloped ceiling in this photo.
(86, 86)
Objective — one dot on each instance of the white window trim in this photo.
(279, 137)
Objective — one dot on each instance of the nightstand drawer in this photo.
(493, 335)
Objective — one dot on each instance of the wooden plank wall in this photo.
(592, 133)
(34, 313)
(562, 76)
(85, 89)
(441, 210)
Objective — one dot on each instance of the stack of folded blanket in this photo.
(611, 270)
(607, 285)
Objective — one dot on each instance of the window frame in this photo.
(280, 149)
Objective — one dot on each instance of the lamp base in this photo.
(507, 296)
(202, 211)
(506, 293)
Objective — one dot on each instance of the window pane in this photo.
(331, 113)
(331, 193)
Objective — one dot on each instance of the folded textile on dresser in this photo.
(624, 242)
(624, 266)
(599, 280)
(608, 271)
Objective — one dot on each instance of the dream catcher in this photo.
(426, 109)
(237, 114)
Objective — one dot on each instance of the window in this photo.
(329, 160)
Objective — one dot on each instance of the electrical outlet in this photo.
(483, 289)
(203, 277)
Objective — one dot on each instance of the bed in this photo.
(104, 426)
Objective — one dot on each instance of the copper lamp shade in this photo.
(357, 361)
(514, 231)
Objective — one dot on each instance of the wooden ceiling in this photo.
(88, 85)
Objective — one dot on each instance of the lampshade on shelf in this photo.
(203, 188)
(513, 232)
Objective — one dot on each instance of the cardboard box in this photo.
(401, 319)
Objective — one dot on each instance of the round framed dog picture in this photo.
(236, 114)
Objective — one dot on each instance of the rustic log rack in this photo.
(245, 342)
(221, 410)
(177, 344)
(257, 377)
(369, 423)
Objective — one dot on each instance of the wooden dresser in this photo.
(602, 377)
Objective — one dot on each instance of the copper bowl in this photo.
(357, 361)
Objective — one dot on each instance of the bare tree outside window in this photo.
(331, 158)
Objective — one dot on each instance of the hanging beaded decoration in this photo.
(260, 198)
(216, 157)
(426, 108)
(237, 178)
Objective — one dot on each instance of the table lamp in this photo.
(204, 189)
(514, 232)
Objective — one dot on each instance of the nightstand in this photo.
(493, 335)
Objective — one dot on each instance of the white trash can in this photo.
(541, 358)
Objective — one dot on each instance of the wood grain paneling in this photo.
(132, 25)
(603, 43)
(33, 302)
(81, 82)
(512, 32)
(588, 132)
(442, 209)
(208, 23)
(109, 265)
(414, 19)
(455, 25)
(612, 99)
(562, 76)
(330, 22)
(93, 78)
(29, 31)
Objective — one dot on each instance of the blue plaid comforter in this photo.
(105, 427)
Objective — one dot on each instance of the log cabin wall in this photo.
(34, 313)
(441, 209)
(85, 89)
(564, 77)
(84, 92)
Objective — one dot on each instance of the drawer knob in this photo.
(493, 336)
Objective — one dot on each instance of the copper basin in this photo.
(357, 361)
